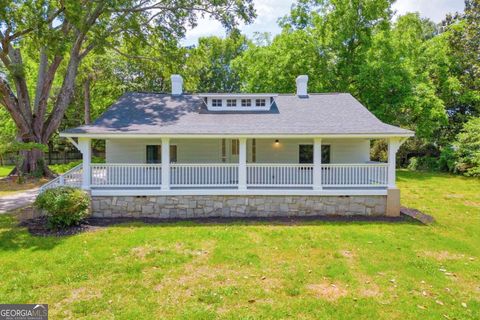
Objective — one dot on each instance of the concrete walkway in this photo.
(17, 200)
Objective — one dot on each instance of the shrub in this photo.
(64, 206)
(423, 163)
(447, 160)
(468, 148)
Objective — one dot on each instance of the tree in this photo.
(208, 65)
(468, 148)
(63, 33)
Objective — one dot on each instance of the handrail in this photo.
(61, 179)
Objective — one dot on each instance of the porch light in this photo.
(277, 142)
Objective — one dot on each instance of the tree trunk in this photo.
(32, 162)
(86, 100)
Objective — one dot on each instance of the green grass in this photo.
(312, 270)
(5, 170)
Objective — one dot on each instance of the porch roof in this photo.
(164, 114)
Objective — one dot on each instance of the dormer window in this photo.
(217, 102)
(246, 102)
(233, 102)
(260, 102)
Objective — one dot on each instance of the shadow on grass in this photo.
(254, 221)
(14, 237)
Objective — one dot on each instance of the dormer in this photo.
(238, 101)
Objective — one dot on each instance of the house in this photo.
(215, 154)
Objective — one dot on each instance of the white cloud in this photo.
(435, 10)
(269, 11)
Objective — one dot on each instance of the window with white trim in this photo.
(217, 102)
(231, 102)
(246, 102)
(260, 102)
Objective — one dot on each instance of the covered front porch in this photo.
(233, 166)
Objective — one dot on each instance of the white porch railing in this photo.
(226, 175)
(279, 175)
(355, 175)
(72, 177)
(204, 175)
(126, 175)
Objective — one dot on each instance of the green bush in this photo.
(448, 160)
(423, 163)
(64, 206)
(467, 147)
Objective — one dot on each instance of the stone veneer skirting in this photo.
(202, 206)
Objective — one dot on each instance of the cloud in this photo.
(269, 11)
(435, 10)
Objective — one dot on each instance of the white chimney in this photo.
(302, 82)
(177, 84)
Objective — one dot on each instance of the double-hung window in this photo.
(231, 102)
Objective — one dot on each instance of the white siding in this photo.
(209, 150)
(286, 151)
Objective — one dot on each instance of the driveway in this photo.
(17, 200)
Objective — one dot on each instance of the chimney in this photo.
(302, 86)
(177, 84)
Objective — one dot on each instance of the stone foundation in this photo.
(185, 207)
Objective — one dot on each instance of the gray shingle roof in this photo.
(323, 114)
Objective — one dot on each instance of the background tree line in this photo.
(407, 70)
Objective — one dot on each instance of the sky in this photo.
(268, 12)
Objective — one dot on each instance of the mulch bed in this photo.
(38, 226)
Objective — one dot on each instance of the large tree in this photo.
(60, 34)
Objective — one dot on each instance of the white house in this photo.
(180, 156)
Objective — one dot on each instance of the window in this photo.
(235, 147)
(260, 102)
(246, 103)
(154, 153)
(305, 153)
(217, 102)
(231, 103)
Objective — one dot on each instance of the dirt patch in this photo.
(442, 255)
(327, 291)
(472, 204)
(82, 294)
(454, 196)
(347, 254)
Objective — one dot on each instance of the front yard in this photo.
(241, 270)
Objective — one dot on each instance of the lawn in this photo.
(5, 170)
(311, 270)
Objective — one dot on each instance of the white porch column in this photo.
(85, 145)
(242, 164)
(393, 145)
(317, 164)
(165, 163)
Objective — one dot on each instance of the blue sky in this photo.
(268, 11)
